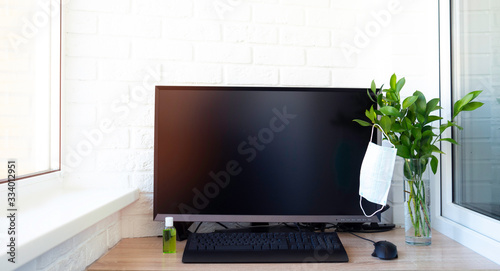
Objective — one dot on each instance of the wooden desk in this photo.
(444, 253)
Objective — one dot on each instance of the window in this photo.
(470, 182)
(476, 65)
(30, 86)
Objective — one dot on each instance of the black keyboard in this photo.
(278, 247)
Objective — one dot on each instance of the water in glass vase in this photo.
(417, 202)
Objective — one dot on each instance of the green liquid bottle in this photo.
(169, 236)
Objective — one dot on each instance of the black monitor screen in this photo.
(259, 154)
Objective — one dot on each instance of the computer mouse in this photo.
(385, 250)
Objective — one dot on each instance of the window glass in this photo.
(29, 95)
(476, 66)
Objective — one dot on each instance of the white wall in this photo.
(81, 250)
(115, 51)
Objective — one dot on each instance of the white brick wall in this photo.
(117, 6)
(163, 50)
(245, 33)
(81, 250)
(305, 77)
(115, 51)
(279, 55)
(189, 30)
(251, 75)
(81, 22)
(83, 45)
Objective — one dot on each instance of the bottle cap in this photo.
(169, 221)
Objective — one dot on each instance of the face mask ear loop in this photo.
(382, 130)
(361, 205)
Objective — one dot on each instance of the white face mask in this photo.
(376, 174)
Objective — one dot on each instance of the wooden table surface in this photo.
(444, 253)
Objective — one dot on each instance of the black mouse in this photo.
(385, 250)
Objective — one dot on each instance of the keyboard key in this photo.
(234, 248)
(283, 246)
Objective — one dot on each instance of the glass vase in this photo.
(417, 199)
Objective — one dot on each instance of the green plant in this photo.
(408, 125)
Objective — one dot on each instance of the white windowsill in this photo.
(481, 244)
(49, 214)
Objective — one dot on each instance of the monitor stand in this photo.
(182, 230)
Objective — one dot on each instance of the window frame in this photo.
(55, 82)
(470, 228)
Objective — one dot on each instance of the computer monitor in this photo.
(259, 154)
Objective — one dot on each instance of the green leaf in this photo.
(393, 82)
(407, 124)
(423, 162)
(373, 114)
(428, 133)
(386, 123)
(443, 127)
(370, 95)
(380, 89)
(426, 140)
(417, 134)
(433, 118)
(369, 115)
(427, 128)
(396, 127)
(400, 84)
(389, 110)
(475, 94)
(362, 122)
(420, 103)
(431, 106)
(424, 151)
(403, 151)
(409, 101)
(420, 118)
(414, 147)
(457, 107)
(411, 114)
(436, 149)
(451, 140)
(472, 106)
(392, 97)
(434, 164)
(405, 140)
(374, 87)
(380, 100)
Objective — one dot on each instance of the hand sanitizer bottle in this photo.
(169, 236)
